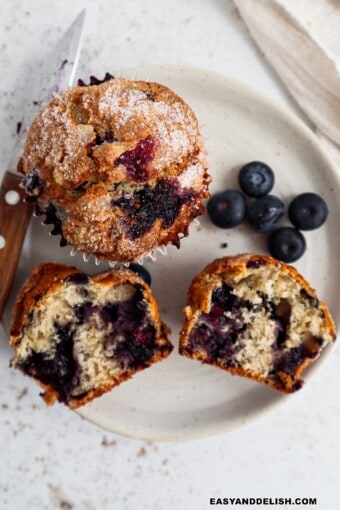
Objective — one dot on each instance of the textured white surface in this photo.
(50, 458)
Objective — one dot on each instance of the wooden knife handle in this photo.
(15, 215)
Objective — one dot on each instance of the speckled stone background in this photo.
(51, 458)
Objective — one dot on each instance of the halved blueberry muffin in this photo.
(79, 336)
(257, 317)
(117, 166)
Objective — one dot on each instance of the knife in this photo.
(55, 74)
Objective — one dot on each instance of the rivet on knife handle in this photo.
(15, 215)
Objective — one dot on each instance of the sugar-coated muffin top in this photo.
(120, 164)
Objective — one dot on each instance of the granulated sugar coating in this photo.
(122, 164)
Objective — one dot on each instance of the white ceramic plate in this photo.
(179, 398)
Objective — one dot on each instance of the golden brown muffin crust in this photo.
(93, 146)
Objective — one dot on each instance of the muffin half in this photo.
(79, 336)
(256, 317)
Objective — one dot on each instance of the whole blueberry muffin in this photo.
(256, 317)
(117, 166)
(80, 336)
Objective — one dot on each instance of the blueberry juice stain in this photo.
(137, 160)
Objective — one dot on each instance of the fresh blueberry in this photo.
(265, 213)
(141, 271)
(256, 179)
(308, 211)
(227, 209)
(287, 244)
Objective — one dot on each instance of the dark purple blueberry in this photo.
(130, 354)
(144, 334)
(124, 358)
(131, 313)
(107, 136)
(132, 343)
(256, 179)
(204, 338)
(95, 81)
(308, 211)
(291, 359)
(217, 333)
(312, 300)
(281, 313)
(255, 264)
(79, 312)
(141, 271)
(147, 205)
(125, 316)
(141, 350)
(78, 278)
(137, 159)
(227, 209)
(287, 244)
(281, 333)
(84, 311)
(32, 183)
(265, 213)
(109, 313)
(60, 370)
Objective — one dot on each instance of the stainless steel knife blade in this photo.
(54, 74)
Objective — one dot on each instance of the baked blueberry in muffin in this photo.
(118, 166)
(257, 317)
(80, 336)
